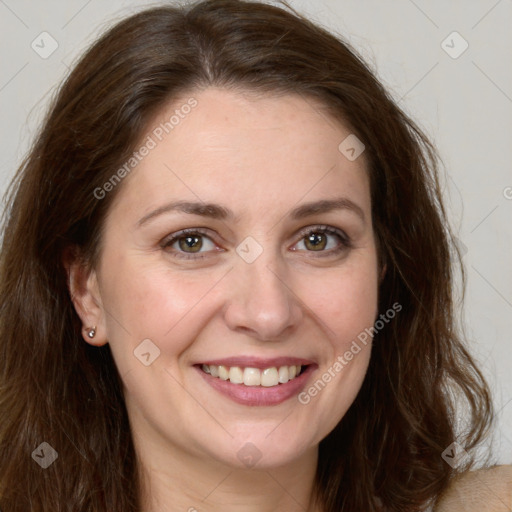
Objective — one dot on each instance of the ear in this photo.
(85, 295)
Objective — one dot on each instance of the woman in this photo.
(226, 282)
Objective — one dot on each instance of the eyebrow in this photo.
(217, 211)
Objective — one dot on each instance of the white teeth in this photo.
(284, 374)
(252, 377)
(249, 376)
(269, 377)
(223, 372)
(236, 375)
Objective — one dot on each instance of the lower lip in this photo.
(258, 395)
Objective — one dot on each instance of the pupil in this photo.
(190, 242)
(316, 240)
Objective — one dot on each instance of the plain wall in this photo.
(464, 104)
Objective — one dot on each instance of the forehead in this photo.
(237, 147)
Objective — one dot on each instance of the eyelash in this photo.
(345, 242)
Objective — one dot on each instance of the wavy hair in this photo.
(54, 387)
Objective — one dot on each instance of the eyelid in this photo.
(345, 241)
(174, 237)
(186, 231)
(324, 228)
(344, 245)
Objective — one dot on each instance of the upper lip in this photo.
(257, 362)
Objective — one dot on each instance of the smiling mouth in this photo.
(254, 377)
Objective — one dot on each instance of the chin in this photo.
(263, 451)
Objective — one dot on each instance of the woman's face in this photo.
(278, 270)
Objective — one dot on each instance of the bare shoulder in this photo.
(485, 490)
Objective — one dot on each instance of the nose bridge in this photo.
(261, 299)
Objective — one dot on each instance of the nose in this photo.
(262, 303)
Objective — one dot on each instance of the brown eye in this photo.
(316, 241)
(194, 243)
(191, 243)
(324, 240)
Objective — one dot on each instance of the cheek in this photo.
(345, 300)
(144, 299)
(346, 304)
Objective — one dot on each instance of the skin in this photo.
(260, 156)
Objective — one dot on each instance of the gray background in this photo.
(464, 104)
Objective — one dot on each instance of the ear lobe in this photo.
(84, 292)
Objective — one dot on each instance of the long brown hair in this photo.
(55, 388)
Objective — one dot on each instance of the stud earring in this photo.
(91, 332)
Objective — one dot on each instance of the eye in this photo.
(188, 243)
(322, 239)
(196, 243)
